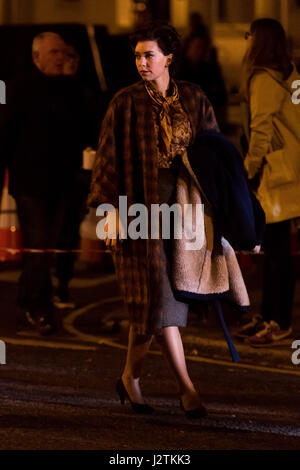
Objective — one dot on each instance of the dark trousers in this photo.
(41, 222)
(50, 224)
(278, 276)
(69, 234)
(69, 240)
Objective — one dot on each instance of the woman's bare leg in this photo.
(172, 348)
(138, 347)
(171, 345)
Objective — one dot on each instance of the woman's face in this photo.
(151, 61)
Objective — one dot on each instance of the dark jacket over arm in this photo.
(219, 169)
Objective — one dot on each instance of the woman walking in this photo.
(273, 160)
(147, 128)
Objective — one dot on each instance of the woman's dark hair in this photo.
(269, 49)
(165, 35)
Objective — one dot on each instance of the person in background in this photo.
(72, 61)
(69, 236)
(199, 64)
(95, 101)
(197, 24)
(42, 134)
(273, 157)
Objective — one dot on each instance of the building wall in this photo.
(59, 11)
(107, 11)
(85, 11)
(294, 21)
(227, 34)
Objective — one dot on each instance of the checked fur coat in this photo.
(126, 164)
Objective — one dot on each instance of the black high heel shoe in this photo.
(140, 408)
(195, 413)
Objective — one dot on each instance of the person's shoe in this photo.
(42, 323)
(271, 335)
(196, 413)
(61, 299)
(251, 328)
(140, 408)
(63, 302)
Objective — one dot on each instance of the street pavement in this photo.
(55, 399)
(57, 392)
(99, 312)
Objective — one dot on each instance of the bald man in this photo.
(49, 53)
(42, 134)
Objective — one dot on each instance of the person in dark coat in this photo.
(76, 208)
(199, 64)
(42, 137)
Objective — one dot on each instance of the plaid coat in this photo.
(126, 164)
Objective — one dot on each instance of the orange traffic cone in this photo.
(10, 234)
(90, 244)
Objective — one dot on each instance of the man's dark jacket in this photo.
(43, 130)
(219, 169)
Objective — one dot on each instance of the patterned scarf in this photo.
(163, 106)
